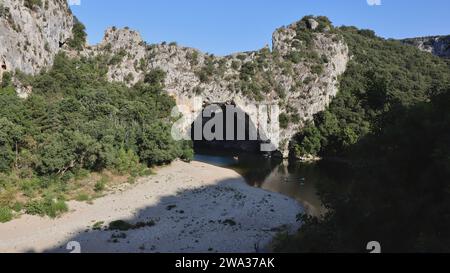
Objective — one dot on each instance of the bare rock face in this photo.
(31, 35)
(437, 45)
(129, 53)
(313, 24)
(298, 75)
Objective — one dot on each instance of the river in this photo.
(296, 180)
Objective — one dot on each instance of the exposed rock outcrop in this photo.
(437, 45)
(299, 75)
(30, 34)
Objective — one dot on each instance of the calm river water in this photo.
(296, 180)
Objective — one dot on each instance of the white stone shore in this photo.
(196, 207)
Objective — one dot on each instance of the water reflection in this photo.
(296, 180)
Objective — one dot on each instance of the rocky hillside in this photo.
(32, 32)
(300, 73)
(437, 45)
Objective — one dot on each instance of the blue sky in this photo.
(226, 26)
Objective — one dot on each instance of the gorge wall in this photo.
(31, 33)
(437, 45)
(299, 74)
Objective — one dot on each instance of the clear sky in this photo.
(226, 26)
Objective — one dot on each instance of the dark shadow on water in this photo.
(300, 181)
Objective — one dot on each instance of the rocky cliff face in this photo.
(437, 45)
(300, 74)
(31, 33)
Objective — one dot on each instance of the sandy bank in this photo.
(196, 207)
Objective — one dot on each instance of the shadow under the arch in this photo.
(228, 217)
(233, 130)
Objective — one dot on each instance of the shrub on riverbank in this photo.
(46, 206)
(5, 214)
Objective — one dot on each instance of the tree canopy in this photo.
(76, 120)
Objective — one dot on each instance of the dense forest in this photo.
(382, 76)
(390, 125)
(74, 124)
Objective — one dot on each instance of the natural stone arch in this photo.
(301, 92)
(236, 132)
(242, 127)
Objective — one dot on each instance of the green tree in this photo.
(78, 40)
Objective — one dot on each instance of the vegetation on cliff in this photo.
(390, 118)
(382, 76)
(76, 122)
(78, 40)
(391, 121)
